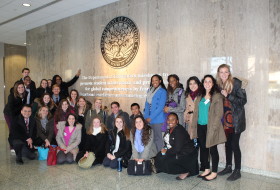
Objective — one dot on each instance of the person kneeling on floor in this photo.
(23, 134)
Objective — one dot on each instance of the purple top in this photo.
(67, 135)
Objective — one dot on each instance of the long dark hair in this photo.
(54, 79)
(214, 89)
(59, 111)
(146, 131)
(170, 90)
(160, 78)
(76, 121)
(197, 81)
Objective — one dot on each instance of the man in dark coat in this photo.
(116, 111)
(23, 133)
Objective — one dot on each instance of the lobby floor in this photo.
(37, 175)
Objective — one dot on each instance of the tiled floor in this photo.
(36, 175)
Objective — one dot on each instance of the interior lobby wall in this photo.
(184, 37)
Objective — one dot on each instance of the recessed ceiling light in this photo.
(26, 4)
(24, 43)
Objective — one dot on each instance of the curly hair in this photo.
(146, 131)
(214, 89)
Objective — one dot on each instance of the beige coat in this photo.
(188, 115)
(215, 131)
(74, 140)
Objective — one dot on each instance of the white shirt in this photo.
(117, 145)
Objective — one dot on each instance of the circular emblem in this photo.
(120, 42)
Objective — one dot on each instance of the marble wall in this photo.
(186, 37)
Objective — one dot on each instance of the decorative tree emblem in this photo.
(120, 42)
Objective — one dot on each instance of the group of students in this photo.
(175, 124)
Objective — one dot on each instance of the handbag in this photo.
(52, 158)
(42, 153)
(139, 168)
(86, 162)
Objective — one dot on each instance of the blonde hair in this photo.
(102, 125)
(228, 84)
(39, 115)
(81, 97)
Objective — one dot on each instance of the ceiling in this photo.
(15, 19)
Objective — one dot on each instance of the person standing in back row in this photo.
(234, 120)
(154, 105)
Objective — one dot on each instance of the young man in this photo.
(135, 110)
(110, 122)
(56, 95)
(23, 133)
(31, 92)
(25, 72)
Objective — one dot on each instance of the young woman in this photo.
(44, 124)
(207, 116)
(96, 111)
(73, 98)
(43, 88)
(50, 83)
(96, 140)
(141, 138)
(119, 145)
(234, 120)
(81, 111)
(61, 113)
(16, 100)
(192, 91)
(65, 85)
(68, 138)
(176, 100)
(153, 112)
(179, 156)
(45, 100)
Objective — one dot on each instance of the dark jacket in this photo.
(97, 145)
(110, 122)
(180, 142)
(32, 93)
(40, 91)
(14, 105)
(19, 130)
(65, 85)
(32, 84)
(47, 133)
(238, 99)
(125, 149)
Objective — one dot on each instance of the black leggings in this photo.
(232, 146)
(204, 152)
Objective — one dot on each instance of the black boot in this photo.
(235, 175)
(227, 170)
(19, 160)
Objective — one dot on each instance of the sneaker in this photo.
(225, 171)
(235, 175)
(13, 152)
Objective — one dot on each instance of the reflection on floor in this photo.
(37, 175)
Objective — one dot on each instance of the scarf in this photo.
(96, 131)
(138, 141)
(227, 118)
(152, 91)
(194, 94)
